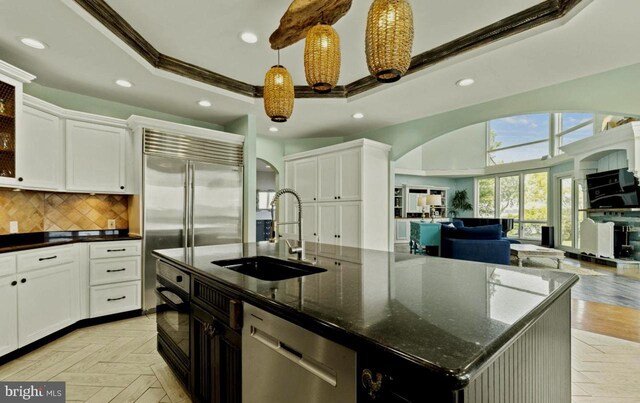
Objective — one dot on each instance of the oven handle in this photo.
(173, 305)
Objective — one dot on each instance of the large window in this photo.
(535, 136)
(518, 138)
(520, 196)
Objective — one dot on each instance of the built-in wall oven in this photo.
(172, 316)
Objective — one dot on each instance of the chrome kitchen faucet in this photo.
(274, 223)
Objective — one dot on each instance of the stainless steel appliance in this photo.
(172, 317)
(282, 362)
(192, 196)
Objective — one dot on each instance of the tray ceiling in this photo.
(206, 33)
(85, 58)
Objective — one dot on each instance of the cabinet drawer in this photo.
(101, 250)
(7, 264)
(114, 298)
(106, 271)
(45, 257)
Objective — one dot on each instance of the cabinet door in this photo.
(350, 175)
(40, 159)
(8, 314)
(328, 177)
(305, 178)
(349, 233)
(328, 215)
(402, 231)
(95, 158)
(216, 363)
(309, 222)
(47, 300)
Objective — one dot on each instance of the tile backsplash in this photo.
(44, 211)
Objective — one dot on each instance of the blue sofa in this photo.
(479, 244)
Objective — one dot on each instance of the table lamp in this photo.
(422, 202)
(433, 200)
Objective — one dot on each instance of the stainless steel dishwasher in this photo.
(284, 363)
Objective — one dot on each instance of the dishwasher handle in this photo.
(296, 357)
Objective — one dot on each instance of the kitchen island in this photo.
(422, 328)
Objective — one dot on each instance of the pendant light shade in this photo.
(389, 39)
(278, 94)
(322, 58)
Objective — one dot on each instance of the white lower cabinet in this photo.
(46, 301)
(47, 289)
(114, 277)
(114, 298)
(339, 225)
(8, 314)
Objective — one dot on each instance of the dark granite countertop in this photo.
(447, 316)
(18, 242)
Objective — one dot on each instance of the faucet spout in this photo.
(274, 223)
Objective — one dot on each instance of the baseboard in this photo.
(63, 332)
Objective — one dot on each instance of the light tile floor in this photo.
(113, 362)
(118, 362)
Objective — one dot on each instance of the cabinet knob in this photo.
(14, 283)
(20, 179)
(24, 280)
(335, 236)
(338, 197)
(338, 236)
(314, 199)
(121, 187)
(314, 234)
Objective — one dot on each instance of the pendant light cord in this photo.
(278, 57)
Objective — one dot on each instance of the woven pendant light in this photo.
(389, 38)
(322, 58)
(278, 93)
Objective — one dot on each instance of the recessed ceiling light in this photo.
(273, 129)
(358, 115)
(465, 82)
(204, 103)
(268, 166)
(124, 83)
(249, 37)
(33, 43)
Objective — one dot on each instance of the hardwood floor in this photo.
(113, 362)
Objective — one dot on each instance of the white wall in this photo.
(465, 148)
(461, 149)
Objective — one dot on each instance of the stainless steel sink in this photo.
(268, 268)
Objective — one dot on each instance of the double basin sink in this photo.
(268, 268)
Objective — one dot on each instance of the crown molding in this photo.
(44, 106)
(526, 20)
(15, 73)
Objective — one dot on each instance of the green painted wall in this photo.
(293, 146)
(84, 103)
(614, 92)
(272, 151)
(246, 126)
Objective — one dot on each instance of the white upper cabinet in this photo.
(350, 175)
(304, 179)
(40, 157)
(328, 177)
(95, 158)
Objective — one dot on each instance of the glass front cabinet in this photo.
(11, 81)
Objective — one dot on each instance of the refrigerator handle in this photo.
(192, 180)
(187, 205)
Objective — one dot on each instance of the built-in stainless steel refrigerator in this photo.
(192, 196)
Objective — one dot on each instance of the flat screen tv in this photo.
(613, 189)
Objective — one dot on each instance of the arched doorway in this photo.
(266, 186)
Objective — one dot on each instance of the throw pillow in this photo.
(484, 232)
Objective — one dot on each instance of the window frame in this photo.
(521, 208)
(554, 137)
